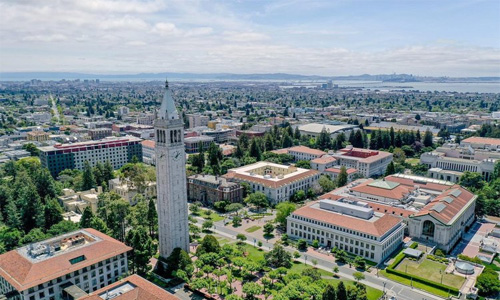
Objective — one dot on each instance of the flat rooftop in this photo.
(30, 266)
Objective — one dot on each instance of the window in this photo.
(77, 259)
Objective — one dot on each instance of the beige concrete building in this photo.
(127, 190)
(38, 136)
(78, 201)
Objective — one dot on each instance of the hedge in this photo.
(392, 270)
(437, 285)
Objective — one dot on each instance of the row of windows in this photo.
(353, 232)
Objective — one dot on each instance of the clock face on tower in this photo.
(177, 155)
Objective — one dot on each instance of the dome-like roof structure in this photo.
(464, 268)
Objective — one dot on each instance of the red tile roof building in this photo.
(435, 210)
(348, 225)
(86, 258)
(367, 162)
(133, 287)
(278, 182)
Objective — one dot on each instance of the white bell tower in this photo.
(173, 229)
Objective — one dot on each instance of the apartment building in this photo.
(118, 151)
(84, 260)
(37, 136)
(302, 153)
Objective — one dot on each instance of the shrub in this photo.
(315, 244)
(439, 252)
(302, 245)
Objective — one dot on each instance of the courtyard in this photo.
(431, 270)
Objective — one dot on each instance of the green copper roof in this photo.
(383, 184)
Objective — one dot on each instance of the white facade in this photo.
(171, 178)
(312, 226)
(277, 182)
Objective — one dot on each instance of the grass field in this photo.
(417, 285)
(412, 161)
(252, 229)
(431, 270)
(213, 216)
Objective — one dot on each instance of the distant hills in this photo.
(23, 76)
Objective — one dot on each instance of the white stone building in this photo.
(277, 182)
(351, 226)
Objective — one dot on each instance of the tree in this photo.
(305, 164)
(241, 238)
(488, 283)
(342, 178)
(324, 140)
(143, 249)
(390, 169)
(399, 155)
(428, 138)
(32, 210)
(357, 139)
(179, 260)
(302, 245)
(283, 210)
(88, 180)
(233, 207)
(86, 218)
(315, 244)
(62, 227)
(214, 157)
(329, 293)
(326, 183)
(257, 199)
(255, 150)
(472, 180)
(358, 276)
(32, 149)
(251, 290)
(268, 229)
(35, 235)
(312, 272)
(341, 291)
(209, 244)
(237, 221)
(296, 254)
(335, 270)
(359, 262)
(53, 213)
(152, 217)
(207, 224)
(99, 225)
(278, 257)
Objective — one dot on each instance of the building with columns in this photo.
(171, 177)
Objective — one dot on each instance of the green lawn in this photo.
(371, 293)
(412, 161)
(213, 216)
(222, 240)
(431, 270)
(252, 229)
(298, 267)
(417, 285)
(254, 253)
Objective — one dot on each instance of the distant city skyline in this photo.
(331, 38)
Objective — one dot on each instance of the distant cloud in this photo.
(313, 37)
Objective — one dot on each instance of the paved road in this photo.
(400, 291)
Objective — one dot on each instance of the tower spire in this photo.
(166, 83)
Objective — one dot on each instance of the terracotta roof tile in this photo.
(323, 160)
(23, 273)
(377, 228)
(482, 140)
(337, 170)
(148, 143)
(395, 193)
(144, 290)
(271, 183)
(304, 149)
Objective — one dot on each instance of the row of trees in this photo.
(488, 193)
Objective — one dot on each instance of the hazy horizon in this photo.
(423, 38)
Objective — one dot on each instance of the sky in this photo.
(337, 37)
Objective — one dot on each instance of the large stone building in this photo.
(85, 260)
(209, 189)
(132, 287)
(277, 182)
(367, 162)
(38, 136)
(349, 225)
(118, 151)
(170, 178)
(475, 154)
(435, 211)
